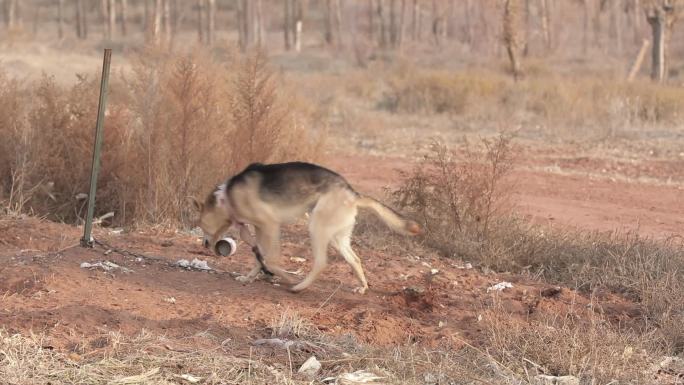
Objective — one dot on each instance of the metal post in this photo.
(87, 240)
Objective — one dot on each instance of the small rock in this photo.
(543, 379)
(550, 292)
(166, 244)
(434, 271)
(430, 379)
(297, 259)
(170, 299)
(500, 286)
(310, 367)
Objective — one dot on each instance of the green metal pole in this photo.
(87, 240)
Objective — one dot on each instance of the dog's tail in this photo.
(395, 221)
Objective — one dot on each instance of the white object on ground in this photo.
(195, 264)
(357, 377)
(310, 367)
(105, 265)
(434, 271)
(189, 378)
(500, 286)
(543, 379)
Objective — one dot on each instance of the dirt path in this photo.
(584, 202)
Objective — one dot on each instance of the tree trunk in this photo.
(60, 19)
(661, 17)
(168, 28)
(211, 22)
(124, 17)
(415, 10)
(81, 25)
(638, 61)
(616, 24)
(146, 17)
(298, 24)
(200, 21)
(156, 27)
(597, 23)
(287, 24)
(111, 18)
(585, 26)
(546, 32)
(393, 23)
(338, 22)
(259, 29)
(328, 22)
(658, 53)
(402, 24)
(468, 22)
(383, 25)
(12, 21)
(636, 5)
(371, 20)
(511, 35)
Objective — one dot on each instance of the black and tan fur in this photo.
(269, 195)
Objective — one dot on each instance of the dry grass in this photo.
(598, 106)
(590, 350)
(462, 204)
(175, 126)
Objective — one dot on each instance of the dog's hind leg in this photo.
(320, 237)
(342, 242)
(333, 213)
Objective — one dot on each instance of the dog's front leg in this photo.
(248, 238)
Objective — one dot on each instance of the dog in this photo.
(269, 195)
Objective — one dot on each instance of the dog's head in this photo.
(214, 217)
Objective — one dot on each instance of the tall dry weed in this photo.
(175, 126)
(459, 197)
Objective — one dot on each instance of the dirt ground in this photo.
(45, 290)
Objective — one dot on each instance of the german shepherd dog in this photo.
(268, 195)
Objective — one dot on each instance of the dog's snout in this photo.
(206, 243)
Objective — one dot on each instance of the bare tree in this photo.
(124, 17)
(156, 26)
(259, 23)
(287, 24)
(168, 23)
(200, 20)
(468, 21)
(381, 20)
(544, 16)
(371, 19)
(211, 21)
(111, 18)
(12, 13)
(636, 23)
(511, 35)
(298, 24)
(81, 20)
(616, 11)
(246, 23)
(60, 19)
(661, 15)
(415, 9)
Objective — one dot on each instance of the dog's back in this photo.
(289, 183)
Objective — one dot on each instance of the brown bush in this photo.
(175, 126)
(459, 199)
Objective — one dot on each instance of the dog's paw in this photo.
(360, 290)
(245, 279)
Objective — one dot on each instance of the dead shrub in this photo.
(174, 127)
(459, 199)
(428, 92)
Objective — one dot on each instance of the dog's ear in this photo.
(197, 205)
